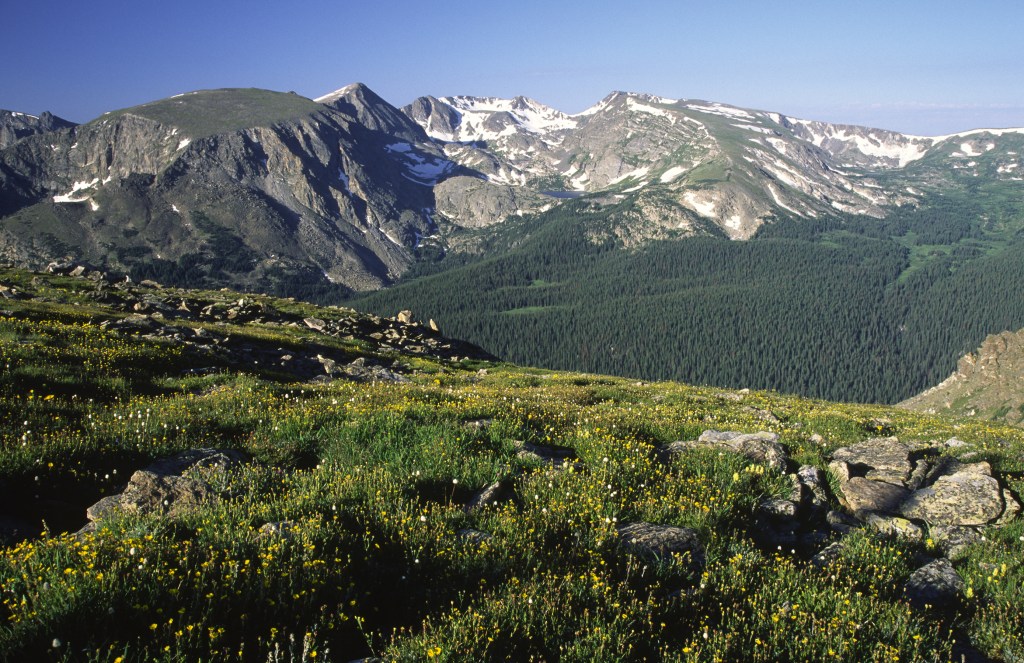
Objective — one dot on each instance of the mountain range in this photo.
(275, 191)
(650, 237)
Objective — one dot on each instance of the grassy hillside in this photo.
(211, 112)
(348, 533)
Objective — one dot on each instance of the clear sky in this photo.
(924, 67)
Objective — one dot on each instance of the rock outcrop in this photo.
(897, 489)
(987, 383)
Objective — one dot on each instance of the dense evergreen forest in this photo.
(846, 308)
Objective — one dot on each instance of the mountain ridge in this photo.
(348, 190)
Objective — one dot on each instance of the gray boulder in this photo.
(864, 495)
(935, 585)
(170, 486)
(658, 542)
(882, 459)
(964, 498)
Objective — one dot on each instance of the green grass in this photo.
(212, 112)
(372, 479)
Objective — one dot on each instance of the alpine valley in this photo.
(645, 236)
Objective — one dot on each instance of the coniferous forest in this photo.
(848, 308)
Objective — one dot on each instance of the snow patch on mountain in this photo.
(672, 174)
(526, 114)
(337, 94)
(779, 202)
(721, 109)
(701, 202)
(71, 196)
(633, 174)
(751, 127)
(637, 107)
(421, 169)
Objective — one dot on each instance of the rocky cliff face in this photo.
(290, 188)
(988, 383)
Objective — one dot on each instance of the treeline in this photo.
(828, 309)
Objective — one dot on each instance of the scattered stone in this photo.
(473, 536)
(1012, 509)
(828, 555)
(779, 510)
(658, 542)
(433, 326)
(487, 496)
(919, 475)
(816, 486)
(105, 507)
(550, 456)
(841, 523)
(841, 470)
(316, 324)
(329, 365)
(405, 317)
(284, 529)
(936, 585)
(760, 447)
(192, 460)
(953, 539)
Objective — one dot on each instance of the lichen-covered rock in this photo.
(148, 492)
(863, 494)
(882, 458)
(779, 510)
(474, 536)
(1011, 510)
(658, 542)
(894, 526)
(964, 498)
(840, 522)
(953, 539)
(760, 447)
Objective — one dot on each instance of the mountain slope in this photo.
(257, 188)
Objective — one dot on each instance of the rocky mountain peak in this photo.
(372, 112)
(14, 125)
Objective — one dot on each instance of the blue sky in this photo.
(909, 65)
